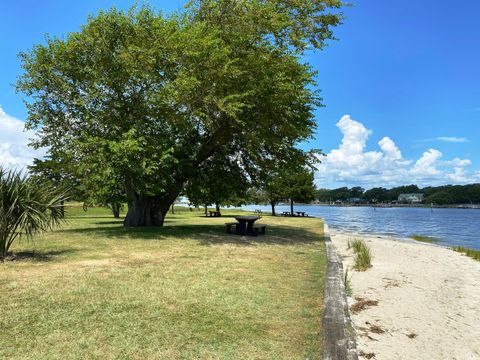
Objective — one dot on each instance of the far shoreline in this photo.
(386, 206)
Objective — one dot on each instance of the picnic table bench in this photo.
(231, 225)
(259, 228)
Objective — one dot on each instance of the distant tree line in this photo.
(439, 195)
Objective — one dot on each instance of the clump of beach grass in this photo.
(356, 245)
(348, 283)
(425, 239)
(474, 254)
(363, 255)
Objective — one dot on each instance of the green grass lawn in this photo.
(185, 291)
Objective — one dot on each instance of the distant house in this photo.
(410, 198)
(354, 200)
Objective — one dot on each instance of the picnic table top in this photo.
(247, 217)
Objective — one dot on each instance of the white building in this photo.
(410, 198)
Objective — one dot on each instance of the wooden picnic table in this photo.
(245, 224)
(300, 213)
(215, 213)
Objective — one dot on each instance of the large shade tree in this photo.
(153, 97)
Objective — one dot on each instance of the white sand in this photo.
(426, 290)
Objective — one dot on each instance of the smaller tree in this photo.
(57, 172)
(300, 187)
(27, 206)
(290, 184)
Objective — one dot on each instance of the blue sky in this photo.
(406, 72)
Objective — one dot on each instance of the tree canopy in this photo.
(147, 99)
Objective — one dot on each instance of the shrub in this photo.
(27, 206)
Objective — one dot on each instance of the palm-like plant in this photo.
(27, 206)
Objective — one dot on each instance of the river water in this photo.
(453, 227)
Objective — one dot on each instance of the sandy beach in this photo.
(428, 300)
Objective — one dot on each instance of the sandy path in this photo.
(428, 300)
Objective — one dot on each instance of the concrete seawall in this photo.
(338, 333)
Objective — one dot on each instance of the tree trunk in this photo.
(147, 210)
(273, 208)
(173, 208)
(206, 209)
(291, 206)
(217, 207)
(116, 210)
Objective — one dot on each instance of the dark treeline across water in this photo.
(452, 227)
(440, 195)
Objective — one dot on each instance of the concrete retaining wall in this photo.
(338, 333)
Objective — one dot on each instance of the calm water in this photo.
(451, 226)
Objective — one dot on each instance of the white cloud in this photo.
(426, 166)
(14, 149)
(452, 139)
(351, 164)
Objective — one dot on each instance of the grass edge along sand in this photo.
(96, 290)
(474, 254)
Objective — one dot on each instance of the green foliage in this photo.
(58, 171)
(289, 184)
(423, 238)
(83, 184)
(376, 195)
(144, 99)
(461, 194)
(474, 254)
(363, 255)
(440, 198)
(218, 182)
(27, 206)
(300, 186)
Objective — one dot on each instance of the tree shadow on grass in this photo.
(226, 216)
(206, 234)
(275, 235)
(40, 256)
